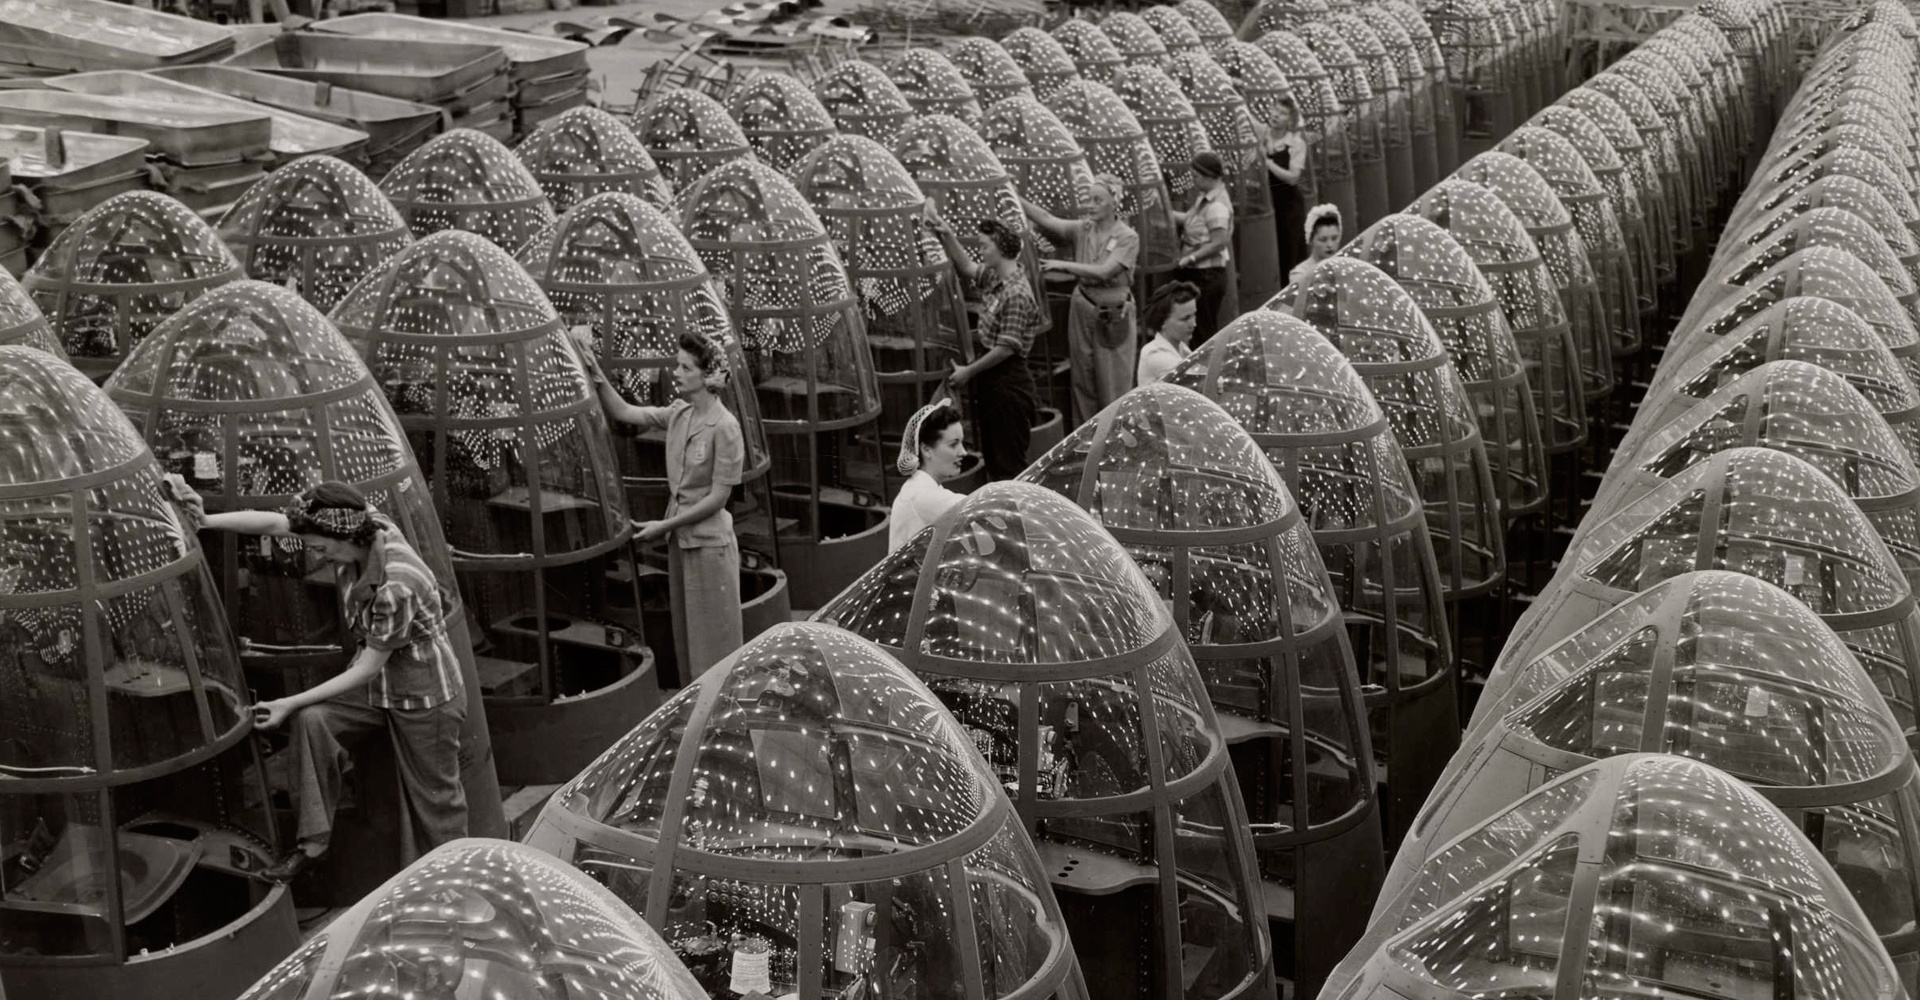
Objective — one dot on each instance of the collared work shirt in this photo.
(396, 605)
(1212, 211)
(702, 449)
(1011, 317)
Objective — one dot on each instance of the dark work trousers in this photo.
(1005, 404)
(426, 746)
(1212, 311)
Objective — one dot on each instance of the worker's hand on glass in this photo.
(648, 531)
(270, 714)
(936, 222)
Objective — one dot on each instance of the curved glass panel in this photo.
(688, 134)
(781, 117)
(863, 101)
(933, 85)
(1041, 57)
(119, 270)
(466, 180)
(582, 152)
(316, 225)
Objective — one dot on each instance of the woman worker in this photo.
(1100, 321)
(403, 679)
(1002, 386)
(1286, 165)
(706, 453)
(930, 453)
(1206, 232)
(1324, 233)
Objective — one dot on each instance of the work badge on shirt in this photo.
(697, 450)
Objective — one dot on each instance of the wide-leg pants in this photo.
(1100, 374)
(705, 587)
(426, 748)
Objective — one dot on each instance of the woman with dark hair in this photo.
(1171, 315)
(1003, 392)
(1206, 239)
(1323, 231)
(706, 454)
(403, 680)
(930, 452)
(1100, 320)
(1286, 166)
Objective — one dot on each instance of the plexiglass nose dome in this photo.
(1233, 134)
(1823, 271)
(1171, 123)
(809, 360)
(1378, 327)
(490, 917)
(1566, 164)
(1804, 328)
(810, 777)
(863, 101)
(1042, 158)
(316, 225)
(1041, 58)
(934, 86)
(1090, 49)
(583, 152)
(1665, 158)
(466, 180)
(781, 117)
(1725, 669)
(21, 322)
(1531, 200)
(618, 266)
(1365, 123)
(1807, 412)
(1676, 653)
(1816, 163)
(1211, 25)
(910, 295)
(688, 134)
(1751, 510)
(1443, 281)
(968, 184)
(1326, 128)
(1388, 105)
(1179, 483)
(1051, 647)
(1304, 404)
(252, 396)
(516, 448)
(119, 270)
(132, 802)
(1642, 875)
(1510, 261)
(1742, 261)
(1135, 39)
(989, 70)
(1175, 31)
(1116, 143)
(1636, 192)
(1282, 15)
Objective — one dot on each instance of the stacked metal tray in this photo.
(45, 37)
(13, 225)
(56, 175)
(394, 127)
(549, 74)
(205, 156)
(470, 83)
(293, 135)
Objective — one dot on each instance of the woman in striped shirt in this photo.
(403, 680)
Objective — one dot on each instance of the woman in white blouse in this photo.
(931, 451)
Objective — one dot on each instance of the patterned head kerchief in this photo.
(1323, 212)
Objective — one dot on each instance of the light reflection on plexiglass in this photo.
(317, 226)
(120, 270)
(1444, 282)
(813, 746)
(688, 134)
(863, 101)
(781, 117)
(582, 152)
(1377, 325)
(1649, 875)
(485, 918)
(466, 180)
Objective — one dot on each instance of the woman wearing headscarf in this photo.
(403, 680)
(1323, 231)
(1101, 340)
(931, 451)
